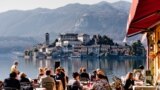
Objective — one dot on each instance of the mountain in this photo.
(101, 18)
(11, 44)
(122, 5)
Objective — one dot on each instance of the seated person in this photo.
(142, 73)
(12, 82)
(58, 75)
(129, 82)
(100, 71)
(93, 77)
(25, 83)
(35, 83)
(41, 73)
(101, 83)
(64, 78)
(76, 83)
(23, 78)
(48, 82)
(84, 76)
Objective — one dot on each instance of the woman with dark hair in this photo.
(93, 76)
(76, 83)
(129, 82)
(101, 83)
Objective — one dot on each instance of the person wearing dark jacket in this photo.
(23, 78)
(25, 83)
(93, 77)
(129, 82)
(84, 76)
(100, 71)
(76, 83)
(12, 82)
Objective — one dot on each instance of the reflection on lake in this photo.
(111, 66)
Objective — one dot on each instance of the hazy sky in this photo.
(31, 4)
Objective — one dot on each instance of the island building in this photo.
(72, 39)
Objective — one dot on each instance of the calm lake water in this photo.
(112, 66)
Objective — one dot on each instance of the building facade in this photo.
(72, 39)
(84, 38)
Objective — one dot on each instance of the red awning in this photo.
(144, 14)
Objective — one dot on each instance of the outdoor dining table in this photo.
(40, 88)
(144, 87)
(87, 85)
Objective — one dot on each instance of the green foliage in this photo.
(54, 43)
(101, 40)
(137, 48)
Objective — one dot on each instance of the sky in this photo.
(6, 5)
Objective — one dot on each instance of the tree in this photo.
(91, 42)
(107, 40)
(54, 43)
(138, 48)
(100, 40)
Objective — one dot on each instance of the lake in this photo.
(112, 66)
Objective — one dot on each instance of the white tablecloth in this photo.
(40, 89)
(144, 88)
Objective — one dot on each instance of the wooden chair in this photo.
(26, 86)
